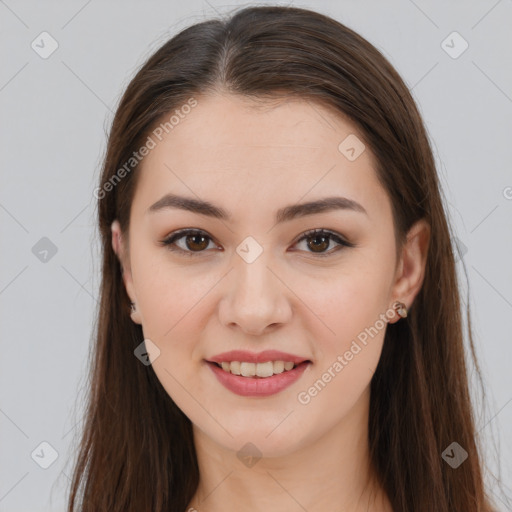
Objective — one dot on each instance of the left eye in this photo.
(320, 239)
(197, 241)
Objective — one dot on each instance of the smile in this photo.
(266, 369)
(257, 379)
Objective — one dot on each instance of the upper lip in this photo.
(256, 357)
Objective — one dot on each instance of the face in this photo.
(250, 279)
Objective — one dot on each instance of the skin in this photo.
(252, 159)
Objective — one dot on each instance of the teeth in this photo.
(265, 369)
(234, 367)
(278, 366)
(257, 369)
(248, 369)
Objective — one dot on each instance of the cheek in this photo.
(347, 359)
(175, 305)
(351, 303)
(167, 295)
(352, 309)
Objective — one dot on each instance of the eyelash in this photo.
(169, 241)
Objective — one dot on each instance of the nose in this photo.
(257, 299)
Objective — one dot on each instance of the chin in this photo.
(264, 441)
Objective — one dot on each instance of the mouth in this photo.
(249, 379)
(258, 370)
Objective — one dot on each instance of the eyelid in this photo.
(332, 235)
(181, 233)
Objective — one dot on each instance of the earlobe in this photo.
(134, 313)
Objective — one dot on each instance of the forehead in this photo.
(257, 152)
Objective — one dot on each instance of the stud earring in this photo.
(132, 306)
(401, 309)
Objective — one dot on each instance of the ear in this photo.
(118, 245)
(410, 270)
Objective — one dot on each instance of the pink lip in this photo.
(252, 357)
(257, 386)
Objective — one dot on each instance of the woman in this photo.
(280, 325)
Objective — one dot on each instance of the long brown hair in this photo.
(137, 451)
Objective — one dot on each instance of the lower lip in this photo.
(258, 386)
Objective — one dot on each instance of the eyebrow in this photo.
(283, 215)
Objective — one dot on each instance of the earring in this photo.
(132, 306)
(401, 309)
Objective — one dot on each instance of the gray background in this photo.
(54, 115)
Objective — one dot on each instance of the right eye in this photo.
(195, 241)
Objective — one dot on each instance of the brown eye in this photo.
(318, 243)
(193, 242)
(196, 242)
(189, 242)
